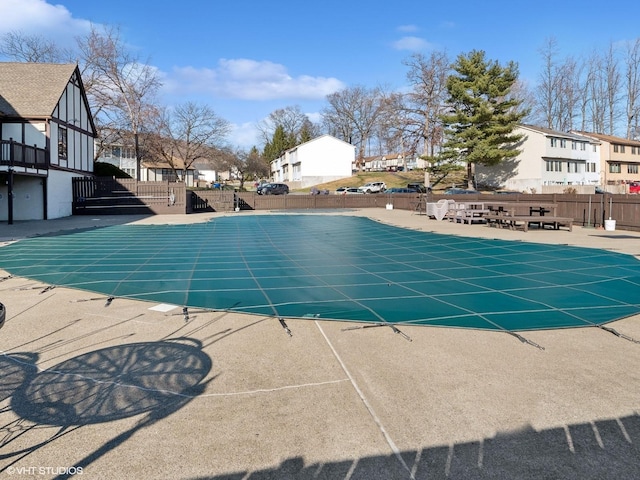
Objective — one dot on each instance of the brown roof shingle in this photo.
(32, 89)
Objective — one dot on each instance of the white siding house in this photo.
(549, 161)
(320, 160)
(619, 161)
(46, 138)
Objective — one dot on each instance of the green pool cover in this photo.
(340, 268)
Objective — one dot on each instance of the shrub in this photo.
(103, 169)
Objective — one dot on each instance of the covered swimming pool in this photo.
(343, 268)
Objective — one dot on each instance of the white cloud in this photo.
(412, 43)
(245, 135)
(246, 79)
(407, 28)
(37, 17)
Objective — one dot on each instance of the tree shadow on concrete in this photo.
(601, 449)
(150, 379)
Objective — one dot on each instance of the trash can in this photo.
(610, 225)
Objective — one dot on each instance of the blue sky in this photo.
(248, 58)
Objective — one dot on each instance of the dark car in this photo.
(419, 187)
(459, 191)
(400, 190)
(506, 192)
(2, 315)
(273, 189)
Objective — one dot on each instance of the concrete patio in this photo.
(131, 390)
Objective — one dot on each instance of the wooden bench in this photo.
(512, 221)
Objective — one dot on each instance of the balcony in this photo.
(14, 154)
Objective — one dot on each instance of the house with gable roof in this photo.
(549, 161)
(46, 138)
(322, 159)
(619, 160)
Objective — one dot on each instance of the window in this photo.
(583, 146)
(621, 148)
(614, 168)
(115, 151)
(591, 167)
(572, 167)
(595, 148)
(62, 143)
(574, 145)
(552, 166)
(632, 168)
(563, 143)
(616, 148)
(554, 141)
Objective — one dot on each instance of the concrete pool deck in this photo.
(101, 388)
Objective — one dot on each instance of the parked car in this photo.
(373, 187)
(3, 313)
(419, 187)
(400, 190)
(634, 187)
(273, 189)
(353, 191)
(459, 191)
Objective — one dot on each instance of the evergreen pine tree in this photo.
(479, 126)
(280, 142)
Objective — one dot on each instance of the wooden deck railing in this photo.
(14, 154)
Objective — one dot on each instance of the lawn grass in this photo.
(391, 179)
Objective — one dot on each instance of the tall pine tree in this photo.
(280, 142)
(482, 113)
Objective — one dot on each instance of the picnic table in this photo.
(512, 214)
(468, 212)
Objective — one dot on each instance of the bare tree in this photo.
(121, 88)
(598, 94)
(21, 47)
(547, 91)
(559, 93)
(186, 134)
(632, 83)
(568, 94)
(612, 87)
(246, 165)
(425, 103)
(355, 110)
(585, 91)
(291, 119)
